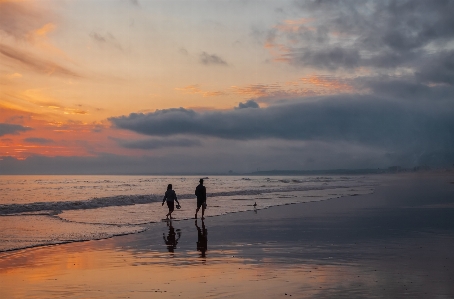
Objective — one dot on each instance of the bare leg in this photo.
(196, 211)
(203, 212)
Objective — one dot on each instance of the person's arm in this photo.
(164, 199)
(174, 195)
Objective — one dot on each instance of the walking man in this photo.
(201, 194)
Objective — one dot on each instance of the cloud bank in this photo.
(159, 143)
(365, 119)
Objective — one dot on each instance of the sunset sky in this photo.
(141, 86)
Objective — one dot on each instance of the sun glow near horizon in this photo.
(69, 68)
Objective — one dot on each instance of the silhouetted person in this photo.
(170, 196)
(201, 193)
(172, 239)
(202, 241)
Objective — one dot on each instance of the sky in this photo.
(217, 86)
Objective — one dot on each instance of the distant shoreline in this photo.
(341, 171)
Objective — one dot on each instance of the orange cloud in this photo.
(279, 49)
(14, 76)
(195, 89)
(44, 30)
(307, 86)
(35, 63)
(257, 90)
(294, 25)
(327, 84)
(51, 138)
(18, 18)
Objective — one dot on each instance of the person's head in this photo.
(201, 181)
(169, 187)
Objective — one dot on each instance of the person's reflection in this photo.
(202, 241)
(172, 238)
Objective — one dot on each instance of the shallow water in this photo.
(44, 210)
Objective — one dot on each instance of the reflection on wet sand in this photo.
(202, 241)
(124, 274)
(172, 237)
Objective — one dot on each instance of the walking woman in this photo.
(170, 196)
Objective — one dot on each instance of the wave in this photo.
(127, 200)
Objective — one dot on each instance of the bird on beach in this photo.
(255, 204)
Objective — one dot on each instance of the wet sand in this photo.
(395, 243)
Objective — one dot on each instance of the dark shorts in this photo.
(199, 203)
(171, 206)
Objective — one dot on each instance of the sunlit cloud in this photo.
(14, 76)
(37, 134)
(34, 63)
(19, 18)
(257, 90)
(195, 89)
(295, 26)
(328, 84)
(303, 87)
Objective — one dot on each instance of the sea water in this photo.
(46, 210)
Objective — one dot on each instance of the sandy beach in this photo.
(395, 243)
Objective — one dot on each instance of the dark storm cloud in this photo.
(407, 90)
(35, 63)
(211, 59)
(438, 68)
(6, 129)
(329, 58)
(157, 143)
(364, 119)
(248, 104)
(38, 140)
(383, 34)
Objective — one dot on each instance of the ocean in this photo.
(49, 210)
